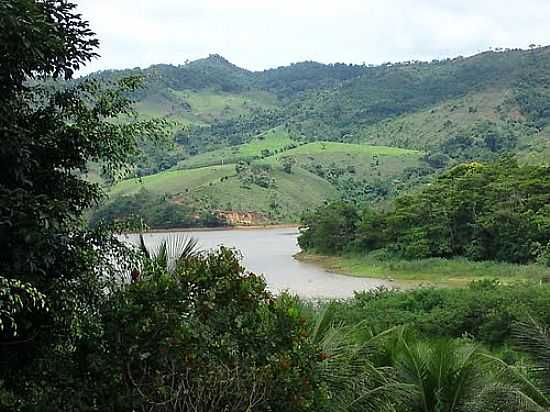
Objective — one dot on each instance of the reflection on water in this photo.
(270, 252)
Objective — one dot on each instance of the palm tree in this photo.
(443, 375)
(170, 254)
(352, 381)
(522, 387)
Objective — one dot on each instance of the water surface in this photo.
(270, 252)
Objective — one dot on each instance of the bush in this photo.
(207, 337)
(485, 310)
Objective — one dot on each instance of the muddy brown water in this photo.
(269, 252)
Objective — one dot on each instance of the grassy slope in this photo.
(204, 188)
(449, 272)
(321, 148)
(202, 107)
(391, 160)
(218, 187)
(178, 181)
(275, 139)
(424, 128)
(487, 97)
(284, 203)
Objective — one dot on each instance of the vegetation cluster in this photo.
(90, 323)
(481, 211)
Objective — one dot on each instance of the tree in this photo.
(329, 229)
(204, 336)
(48, 133)
(288, 163)
(522, 388)
(353, 381)
(444, 374)
(482, 211)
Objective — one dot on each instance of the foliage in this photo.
(170, 254)
(485, 310)
(287, 164)
(495, 211)
(179, 339)
(49, 134)
(532, 90)
(51, 39)
(444, 375)
(153, 210)
(352, 380)
(328, 229)
(521, 387)
(16, 298)
(255, 173)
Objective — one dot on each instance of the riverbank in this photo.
(218, 228)
(435, 271)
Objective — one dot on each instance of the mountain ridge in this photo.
(455, 110)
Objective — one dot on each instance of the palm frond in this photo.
(503, 397)
(142, 247)
(534, 338)
(444, 373)
(161, 255)
(354, 383)
(183, 248)
(171, 253)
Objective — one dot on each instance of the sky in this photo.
(261, 34)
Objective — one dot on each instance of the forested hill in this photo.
(343, 102)
(217, 73)
(443, 112)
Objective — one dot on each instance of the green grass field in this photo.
(283, 203)
(219, 188)
(368, 161)
(436, 271)
(205, 182)
(177, 181)
(202, 107)
(275, 139)
(321, 148)
(424, 128)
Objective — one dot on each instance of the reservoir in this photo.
(269, 252)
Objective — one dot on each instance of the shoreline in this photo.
(342, 266)
(217, 228)
(427, 272)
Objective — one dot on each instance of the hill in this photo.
(269, 180)
(363, 133)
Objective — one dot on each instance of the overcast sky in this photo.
(260, 34)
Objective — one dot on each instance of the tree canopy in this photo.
(483, 211)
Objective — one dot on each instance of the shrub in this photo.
(208, 336)
(486, 310)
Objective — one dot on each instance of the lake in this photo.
(270, 252)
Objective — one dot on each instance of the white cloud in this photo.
(258, 34)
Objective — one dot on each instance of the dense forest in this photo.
(493, 211)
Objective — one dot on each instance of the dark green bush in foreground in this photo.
(205, 337)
